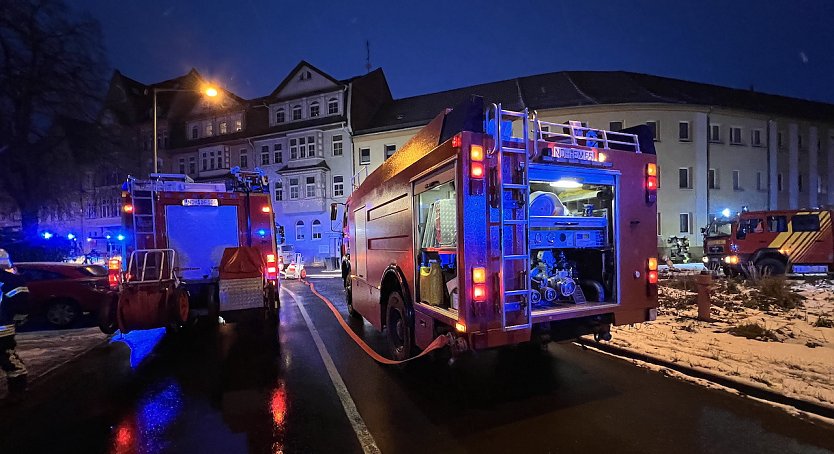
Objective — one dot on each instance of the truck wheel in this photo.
(770, 267)
(107, 316)
(400, 331)
(349, 299)
(178, 306)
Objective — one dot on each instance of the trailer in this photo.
(196, 249)
(499, 228)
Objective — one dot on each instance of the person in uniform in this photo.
(13, 298)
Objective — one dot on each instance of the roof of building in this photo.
(586, 88)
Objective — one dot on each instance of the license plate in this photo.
(810, 269)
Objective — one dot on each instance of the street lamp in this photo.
(209, 91)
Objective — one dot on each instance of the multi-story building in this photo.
(718, 148)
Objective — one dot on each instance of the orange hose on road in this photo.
(439, 342)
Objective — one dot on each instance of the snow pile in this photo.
(772, 333)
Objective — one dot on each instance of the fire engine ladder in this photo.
(515, 247)
(142, 194)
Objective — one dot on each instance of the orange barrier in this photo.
(439, 342)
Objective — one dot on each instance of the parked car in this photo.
(62, 292)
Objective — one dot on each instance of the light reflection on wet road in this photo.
(246, 388)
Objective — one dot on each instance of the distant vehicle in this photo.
(797, 242)
(716, 241)
(62, 292)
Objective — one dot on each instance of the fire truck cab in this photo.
(795, 242)
(196, 249)
(498, 228)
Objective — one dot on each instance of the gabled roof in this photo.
(584, 88)
(292, 73)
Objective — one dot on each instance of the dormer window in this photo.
(224, 127)
(332, 106)
(195, 132)
(296, 112)
(280, 116)
(209, 130)
(314, 109)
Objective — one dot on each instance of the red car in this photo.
(61, 292)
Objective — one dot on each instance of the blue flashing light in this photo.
(725, 212)
(262, 232)
(47, 235)
(107, 237)
(70, 236)
(120, 237)
(89, 240)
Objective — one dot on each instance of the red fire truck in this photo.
(196, 249)
(498, 228)
(777, 242)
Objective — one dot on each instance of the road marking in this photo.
(362, 433)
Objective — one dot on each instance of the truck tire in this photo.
(178, 307)
(770, 267)
(399, 327)
(349, 300)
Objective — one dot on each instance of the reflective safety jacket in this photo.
(13, 295)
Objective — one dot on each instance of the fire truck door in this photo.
(199, 234)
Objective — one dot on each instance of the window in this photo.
(364, 156)
(293, 148)
(712, 179)
(310, 187)
(244, 159)
(211, 160)
(715, 133)
(389, 150)
(800, 182)
(296, 112)
(684, 180)
(238, 125)
(224, 127)
(758, 181)
(777, 224)
(779, 182)
(192, 165)
(615, 126)
(683, 131)
(311, 146)
(314, 109)
(756, 137)
(299, 230)
(182, 165)
(280, 116)
(204, 162)
(293, 188)
(735, 136)
(751, 225)
(279, 191)
(338, 186)
(195, 132)
(658, 224)
(209, 130)
(337, 145)
(332, 106)
(805, 222)
(736, 180)
(316, 229)
(653, 126)
(302, 150)
(684, 221)
(264, 155)
(279, 154)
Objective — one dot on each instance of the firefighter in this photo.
(13, 299)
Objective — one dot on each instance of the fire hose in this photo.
(439, 342)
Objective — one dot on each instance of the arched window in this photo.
(296, 112)
(280, 116)
(332, 106)
(314, 109)
(299, 230)
(195, 132)
(316, 229)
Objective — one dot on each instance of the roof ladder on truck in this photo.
(513, 164)
(142, 194)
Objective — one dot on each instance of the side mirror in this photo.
(334, 211)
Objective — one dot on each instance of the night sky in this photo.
(782, 47)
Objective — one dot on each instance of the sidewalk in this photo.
(43, 351)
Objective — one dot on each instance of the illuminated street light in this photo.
(70, 236)
(47, 235)
(725, 212)
(209, 91)
(120, 237)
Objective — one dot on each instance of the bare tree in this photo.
(51, 78)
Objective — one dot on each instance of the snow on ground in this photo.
(752, 337)
(43, 351)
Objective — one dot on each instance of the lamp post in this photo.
(209, 91)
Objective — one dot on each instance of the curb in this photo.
(744, 388)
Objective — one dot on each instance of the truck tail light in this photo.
(652, 277)
(127, 208)
(456, 141)
(265, 209)
(114, 272)
(652, 264)
(271, 268)
(651, 182)
(476, 153)
(479, 292)
(479, 275)
(476, 170)
(460, 327)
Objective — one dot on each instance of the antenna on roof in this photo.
(368, 55)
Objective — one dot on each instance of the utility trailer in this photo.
(499, 228)
(212, 242)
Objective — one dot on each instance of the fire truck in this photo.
(797, 242)
(716, 242)
(497, 228)
(195, 249)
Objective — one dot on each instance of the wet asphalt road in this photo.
(243, 389)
